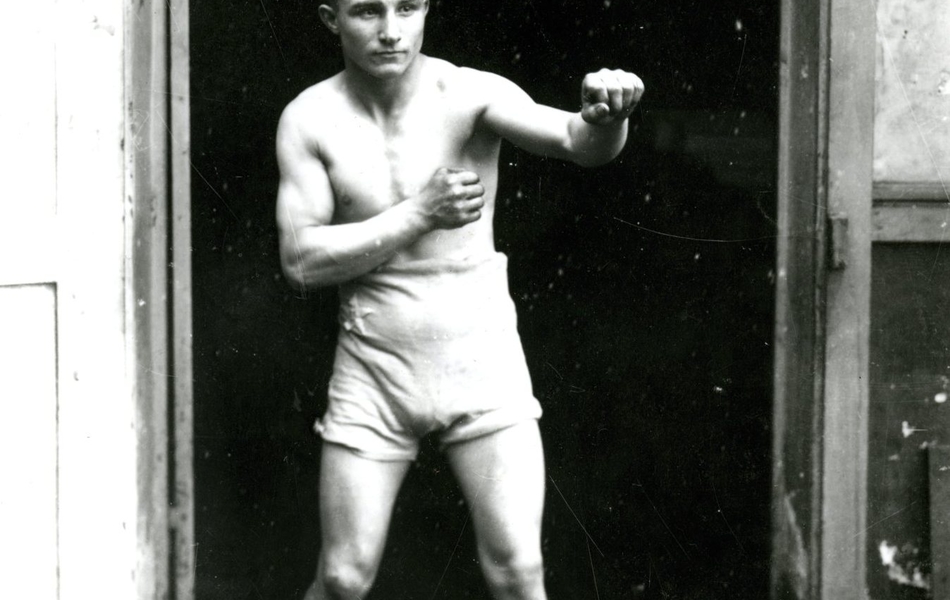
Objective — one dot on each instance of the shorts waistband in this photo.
(438, 265)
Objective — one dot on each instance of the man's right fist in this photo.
(453, 198)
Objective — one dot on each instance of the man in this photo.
(387, 189)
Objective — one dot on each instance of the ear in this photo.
(328, 16)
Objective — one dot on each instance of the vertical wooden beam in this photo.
(849, 182)
(159, 252)
(939, 457)
(182, 422)
(148, 177)
(799, 365)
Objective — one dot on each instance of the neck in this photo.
(383, 96)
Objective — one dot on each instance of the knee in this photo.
(513, 576)
(347, 580)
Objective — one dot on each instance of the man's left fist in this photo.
(609, 96)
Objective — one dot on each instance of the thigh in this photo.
(356, 501)
(502, 478)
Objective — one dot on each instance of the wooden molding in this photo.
(919, 222)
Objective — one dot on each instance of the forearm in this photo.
(325, 255)
(594, 145)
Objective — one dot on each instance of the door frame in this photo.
(158, 180)
(826, 117)
(822, 289)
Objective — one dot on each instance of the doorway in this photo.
(644, 290)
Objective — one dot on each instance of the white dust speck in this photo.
(907, 430)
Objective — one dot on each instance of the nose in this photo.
(389, 32)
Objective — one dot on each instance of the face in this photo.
(380, 37)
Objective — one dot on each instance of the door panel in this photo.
(910, 380)
(28, 440)
(28, 118)
(28, 305)
(911, 125)
(910, 304)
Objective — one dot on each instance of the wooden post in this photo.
(799, 365)
(850, 101)
(939, 457)
(182, 420)
(159, 252)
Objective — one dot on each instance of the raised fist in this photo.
(608, 96)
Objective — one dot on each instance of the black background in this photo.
(650, 352)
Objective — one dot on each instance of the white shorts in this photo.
(426, 346)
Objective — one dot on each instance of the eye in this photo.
(366, 11)
(407, 9)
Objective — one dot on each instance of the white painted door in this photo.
(28, 294)
(68, 431)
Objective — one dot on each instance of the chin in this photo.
(390, 71)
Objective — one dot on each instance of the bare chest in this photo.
(374, 166)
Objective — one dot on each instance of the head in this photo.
(379, 37)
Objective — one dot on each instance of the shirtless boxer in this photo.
(387, 189)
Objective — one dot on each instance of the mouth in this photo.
(390, 53)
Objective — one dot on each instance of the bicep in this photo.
(304, 195)
(512, 114)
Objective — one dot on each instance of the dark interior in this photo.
(644, 290)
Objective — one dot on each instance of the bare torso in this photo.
(375, 162)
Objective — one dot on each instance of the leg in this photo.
(356, 502)
(502, 478)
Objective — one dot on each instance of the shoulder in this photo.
(308, 113)
(470, 87)
(466, 80)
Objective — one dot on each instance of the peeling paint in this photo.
(944, 87)
(908, 573)
(96, 25)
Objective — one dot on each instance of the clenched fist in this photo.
(609, 96)
(452, 198)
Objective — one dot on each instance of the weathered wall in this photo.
(649, 350)
(912, 122)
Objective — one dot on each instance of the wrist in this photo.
(417, 219)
